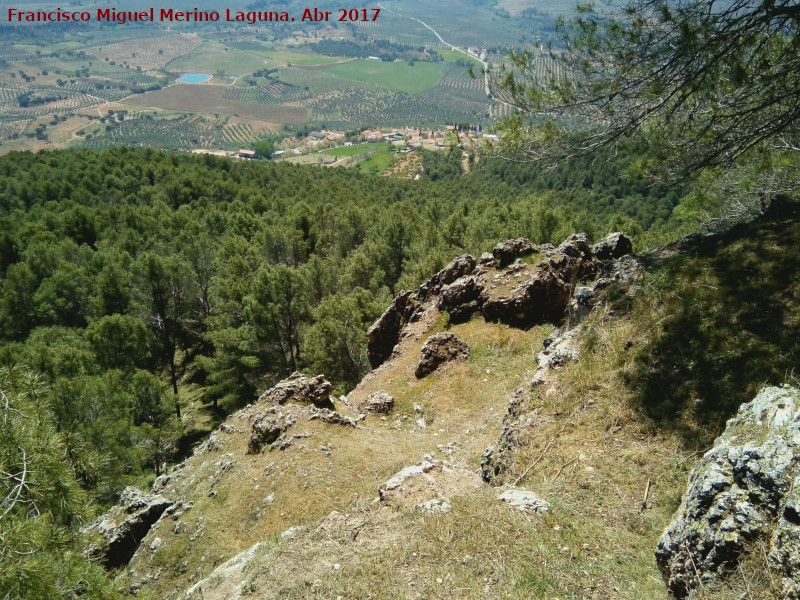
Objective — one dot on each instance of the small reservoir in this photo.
(194, 78)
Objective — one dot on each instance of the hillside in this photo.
(603, 426)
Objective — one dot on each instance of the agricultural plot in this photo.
(398, 76)
(213, 57)
(149, 54)
(275, 93)
(12, 129)
(210, 99)
(176, 132)
(42, 101)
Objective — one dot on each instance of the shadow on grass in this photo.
(733, 326)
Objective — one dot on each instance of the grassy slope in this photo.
(597, 435)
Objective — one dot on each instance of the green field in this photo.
(398, 76)
(302, 59)
(350, 150)
(216, 58)
(379, 162)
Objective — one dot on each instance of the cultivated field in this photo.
(149, 54)
(213, 57)
(398, 76)
(210, 99)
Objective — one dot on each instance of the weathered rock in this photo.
(524, 501)
(333, 418)
(438, 350)
(124, 526)
(460, 299)
(581, 305)
(268, 427)
(559, 349)
(300, 389)
(428, 487)
(377, 403)
(486, 260)
(577, 246)
(512, 249)
(744, 489)
(459, 267)
(384, 334)
(614, 245)
(542, 298)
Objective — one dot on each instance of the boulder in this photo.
(512, 249)
(460, 298)
(384, 334)
(582, 303)
(577, 246)
(124, 526)
(299, 389)
(268, 427)
(614, 245)
(745, 489)
(377, 403)
(440, 349)
(542, 298)
(458, 267)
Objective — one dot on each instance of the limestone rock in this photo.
(577, 246)
(614, 245)
(384, 334)
(524, 501)
(541, 298)
(377, 403)
(299, 389)
(459, 267)
(460, 298)
(438, 350)
(428, 487)
(512, 249)
(744, 489)
(267, 428)
(124, 526)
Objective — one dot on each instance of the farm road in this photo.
(446, 43)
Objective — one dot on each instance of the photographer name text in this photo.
(171, 15)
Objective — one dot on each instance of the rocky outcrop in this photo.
(384, 334)
(520, 284)
(440, 349)
(511, 250)
(124, 526)
(746, 488)
(542, 298)
(302, 390)
(268, 427)
(459, 267)
(461, 299)
(377, 403)
(614, 245)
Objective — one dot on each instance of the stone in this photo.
(524, 501)
(460, 298)
(122, 529)
(377, 403)
(541, 298)
(614, 245)
(577, 246)
(299, 389)
(512, 249)
(743, 490)
(459, 267)
(267, 428)
(384, 334)
(582, 303)
(440, 349)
